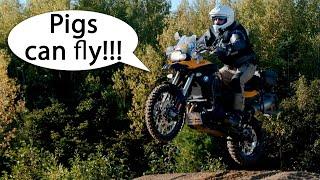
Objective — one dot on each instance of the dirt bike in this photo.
(196, 95)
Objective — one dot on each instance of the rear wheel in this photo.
(247, 149)
(164, 113)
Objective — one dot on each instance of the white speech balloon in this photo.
(55, 40)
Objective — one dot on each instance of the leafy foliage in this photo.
(295, 132)
(195, 152)
(32, 163)
(10, 107)
(144, 16)
(161, 159)
(188, 19)
(138, 84)
(284, 34)
(9, 17)
(90, 125)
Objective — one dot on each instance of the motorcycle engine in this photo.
(201, 100)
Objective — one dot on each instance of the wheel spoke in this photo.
(164, 113)
(249, 143)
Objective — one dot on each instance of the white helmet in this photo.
(224, 14)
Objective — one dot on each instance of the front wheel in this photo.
(164, 113)
(247, 149)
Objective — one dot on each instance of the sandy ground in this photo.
(230, 175)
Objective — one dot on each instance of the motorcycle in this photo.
(195, 94)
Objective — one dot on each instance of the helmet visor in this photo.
(219, 20)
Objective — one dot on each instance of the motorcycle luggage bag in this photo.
(270, 78)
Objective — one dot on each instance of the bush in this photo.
(196, 152)
(295, 132)
(31, 163)
(55, 130)
(161, 159)
(97, 166)
(190, 151)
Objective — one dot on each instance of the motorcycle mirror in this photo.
(176, 36)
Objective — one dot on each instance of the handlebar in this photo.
(203, 49)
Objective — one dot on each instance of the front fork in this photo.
(186, 85)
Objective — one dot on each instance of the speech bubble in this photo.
(74, 40)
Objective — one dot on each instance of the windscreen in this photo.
(186, 44)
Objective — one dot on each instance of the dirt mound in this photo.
(267, 175)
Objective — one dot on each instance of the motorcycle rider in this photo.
(231, 43)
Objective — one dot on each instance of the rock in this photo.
(230, 175)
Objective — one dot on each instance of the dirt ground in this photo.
(230, 175)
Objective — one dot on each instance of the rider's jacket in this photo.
(232, 46)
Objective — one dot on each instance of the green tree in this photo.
(68, 115)
(74, 112)
(284, 34)
(145, 17)
(10, 107)
(187, 20)
(10, 15)
(36, 7)
(138, 83)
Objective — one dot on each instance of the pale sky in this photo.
(174, 3)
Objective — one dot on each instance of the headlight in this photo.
(177, 56)
(170, 76)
